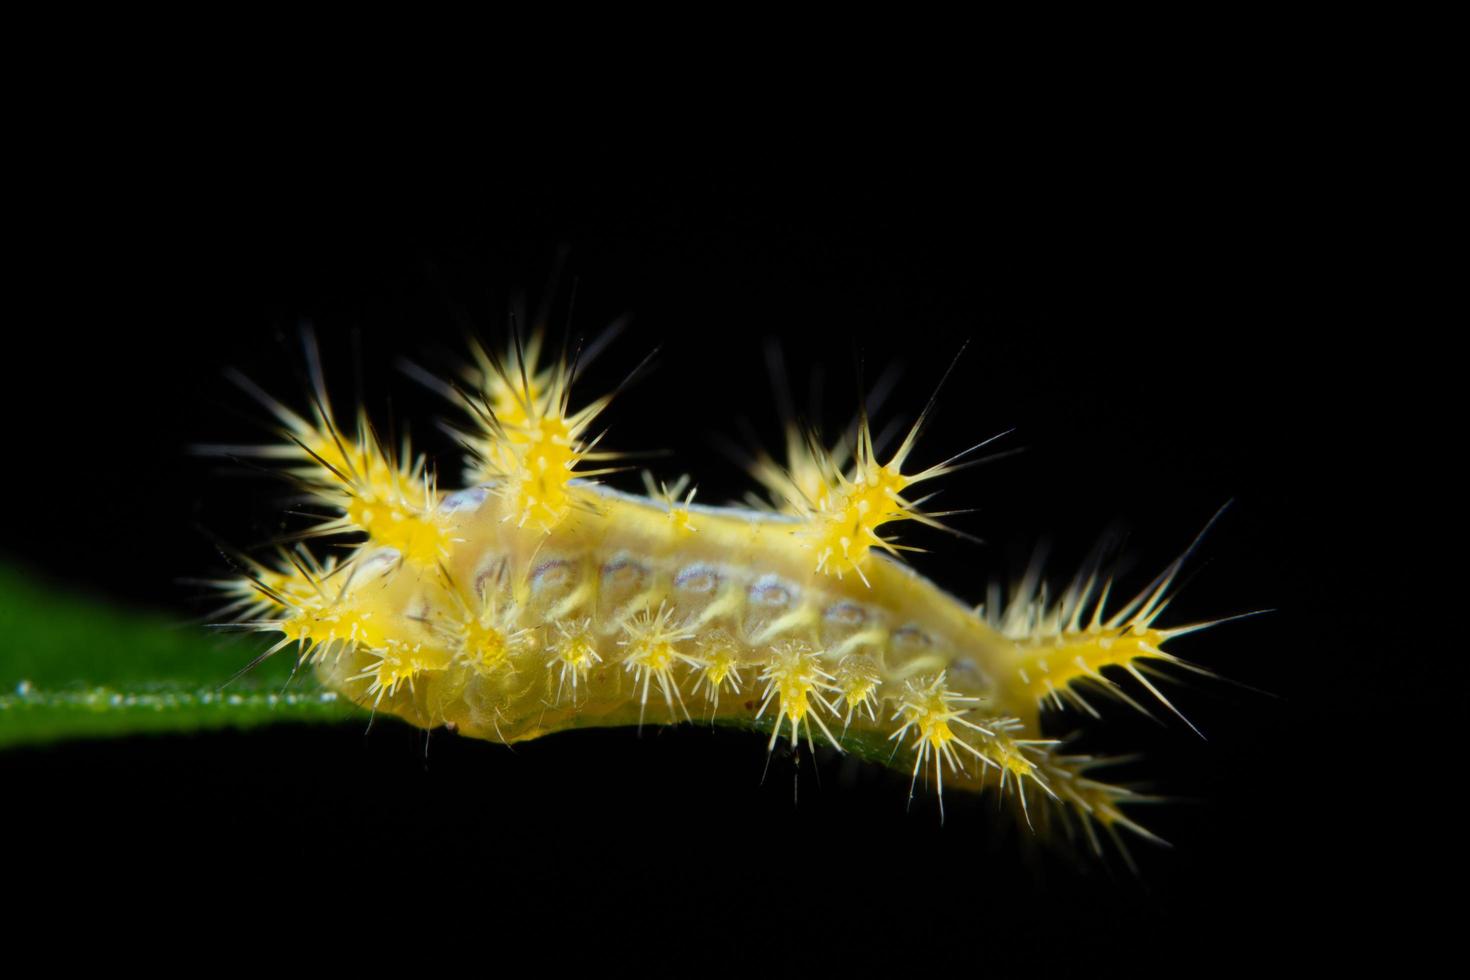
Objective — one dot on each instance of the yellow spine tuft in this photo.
(652, 652)
(530, 444)
(573, 654)
(795, 679)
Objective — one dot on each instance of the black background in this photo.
(1154, 302)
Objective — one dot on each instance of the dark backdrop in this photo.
(1147, 307)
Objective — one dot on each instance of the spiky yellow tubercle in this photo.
(536, 483)
(413, 533)
(364, 486)
(1046, 665)
(841, 508)
(1062, 649)
(530, 444)
(849, 515)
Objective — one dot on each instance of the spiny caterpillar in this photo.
(537, 599)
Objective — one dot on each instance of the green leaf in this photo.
(76, 668)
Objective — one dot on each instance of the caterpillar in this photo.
(537, 599)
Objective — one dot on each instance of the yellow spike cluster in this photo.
(842, 505)
(366, 487)
(536, 600)
(530, 442)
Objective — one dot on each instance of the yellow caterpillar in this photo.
(538, 600)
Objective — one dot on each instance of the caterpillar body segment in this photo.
(718, 608)
(538, 600)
